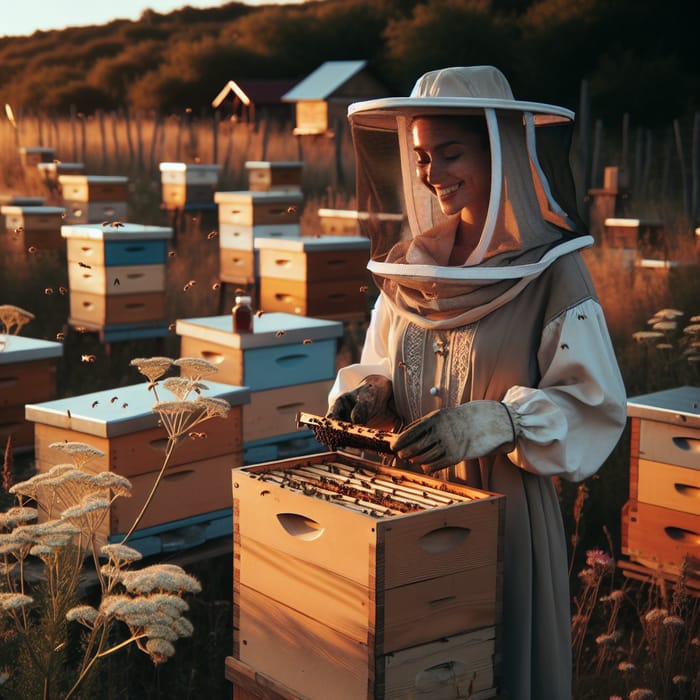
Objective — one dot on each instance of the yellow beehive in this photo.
(661, 521)
(355, 576)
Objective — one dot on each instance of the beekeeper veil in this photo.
(531, 218)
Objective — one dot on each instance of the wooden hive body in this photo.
(27, 374)
(358, 596)
(661, 520)
(121, 423)
(288, 363)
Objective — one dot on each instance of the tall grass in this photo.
(629, 296)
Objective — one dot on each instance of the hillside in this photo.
(638, 56)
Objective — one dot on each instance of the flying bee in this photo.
(48, 291)
(212, 234)
(279, 334)
(62, 290)
(82, 264)
(113, 399)
(32, 249)
(94, 403)
(88, 358)
(60, 336)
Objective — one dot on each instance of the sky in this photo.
(24, 17)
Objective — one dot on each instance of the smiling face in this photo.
(453, 161)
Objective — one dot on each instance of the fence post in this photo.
(684, 174)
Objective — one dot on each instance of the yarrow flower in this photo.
(14, 601)
(642, 694)
(656, 615)
(196, 367)
(673, 621)
(12, 318)
(19, 514)
(159, 650)
(85, 614)
(153, 368)
(81, 452)
(160, 577)
(607, 639)
(121, 553)
(181, 387)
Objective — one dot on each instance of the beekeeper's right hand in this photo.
(369, 402)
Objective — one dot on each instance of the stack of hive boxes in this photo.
(90, 199)
(116, 278)
(378, 583)
(323, 276)
(33, 227)
(246, 215)
(188, 185)
(27, 374)
(31, 156)
(661, 521)
(288, 363)
(348, 222)
(193, 501)
(273, 176)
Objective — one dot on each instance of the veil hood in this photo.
(531, 220)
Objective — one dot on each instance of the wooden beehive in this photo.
(348, 222)
(365, 579)
(122, 424)
(324, 276)
(51, 171)
(31, 156)
(661, 520)
(116, 274)
(33, 226)
(289, 364)
(90, 199)
(27, 374)
(250, 208)
(188, 184)
(267, 176)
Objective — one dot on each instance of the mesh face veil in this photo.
(531, 218)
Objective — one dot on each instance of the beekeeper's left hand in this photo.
(448, 435)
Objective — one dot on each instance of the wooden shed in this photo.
(255, 100)
(322, 98)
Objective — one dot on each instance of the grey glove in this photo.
(368, 402)
(448, 435)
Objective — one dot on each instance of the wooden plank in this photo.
(300, 653)
(143, 451)
(670, 443)
(669, 486)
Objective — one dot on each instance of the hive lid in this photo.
(119, 411)
(680, 405)
(269, 329)
(268, 164)
(182, 167)
(32, 209)
(21, 200)
(93, 179)
(313, 244)
(110, 233)
(263, 196)
(18, 348)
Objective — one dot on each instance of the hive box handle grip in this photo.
(443, 539)
(300, 526)
(687, 490)
(680, 534)
(687, 444)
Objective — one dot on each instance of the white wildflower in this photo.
(214, 407)
(121, 553)
(160, 632)
(19, 514)
(153, 368)
(14, 601)
(159, 650)
(85, 614)
(196, 367)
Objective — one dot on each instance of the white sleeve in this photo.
(570, 423)
(374, 358)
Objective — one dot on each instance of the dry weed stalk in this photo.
(57, 520)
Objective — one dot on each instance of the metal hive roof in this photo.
(327, 78)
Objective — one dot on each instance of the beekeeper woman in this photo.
(487, 345)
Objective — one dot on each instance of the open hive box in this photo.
(370, 580)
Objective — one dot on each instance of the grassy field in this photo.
(591, 511)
